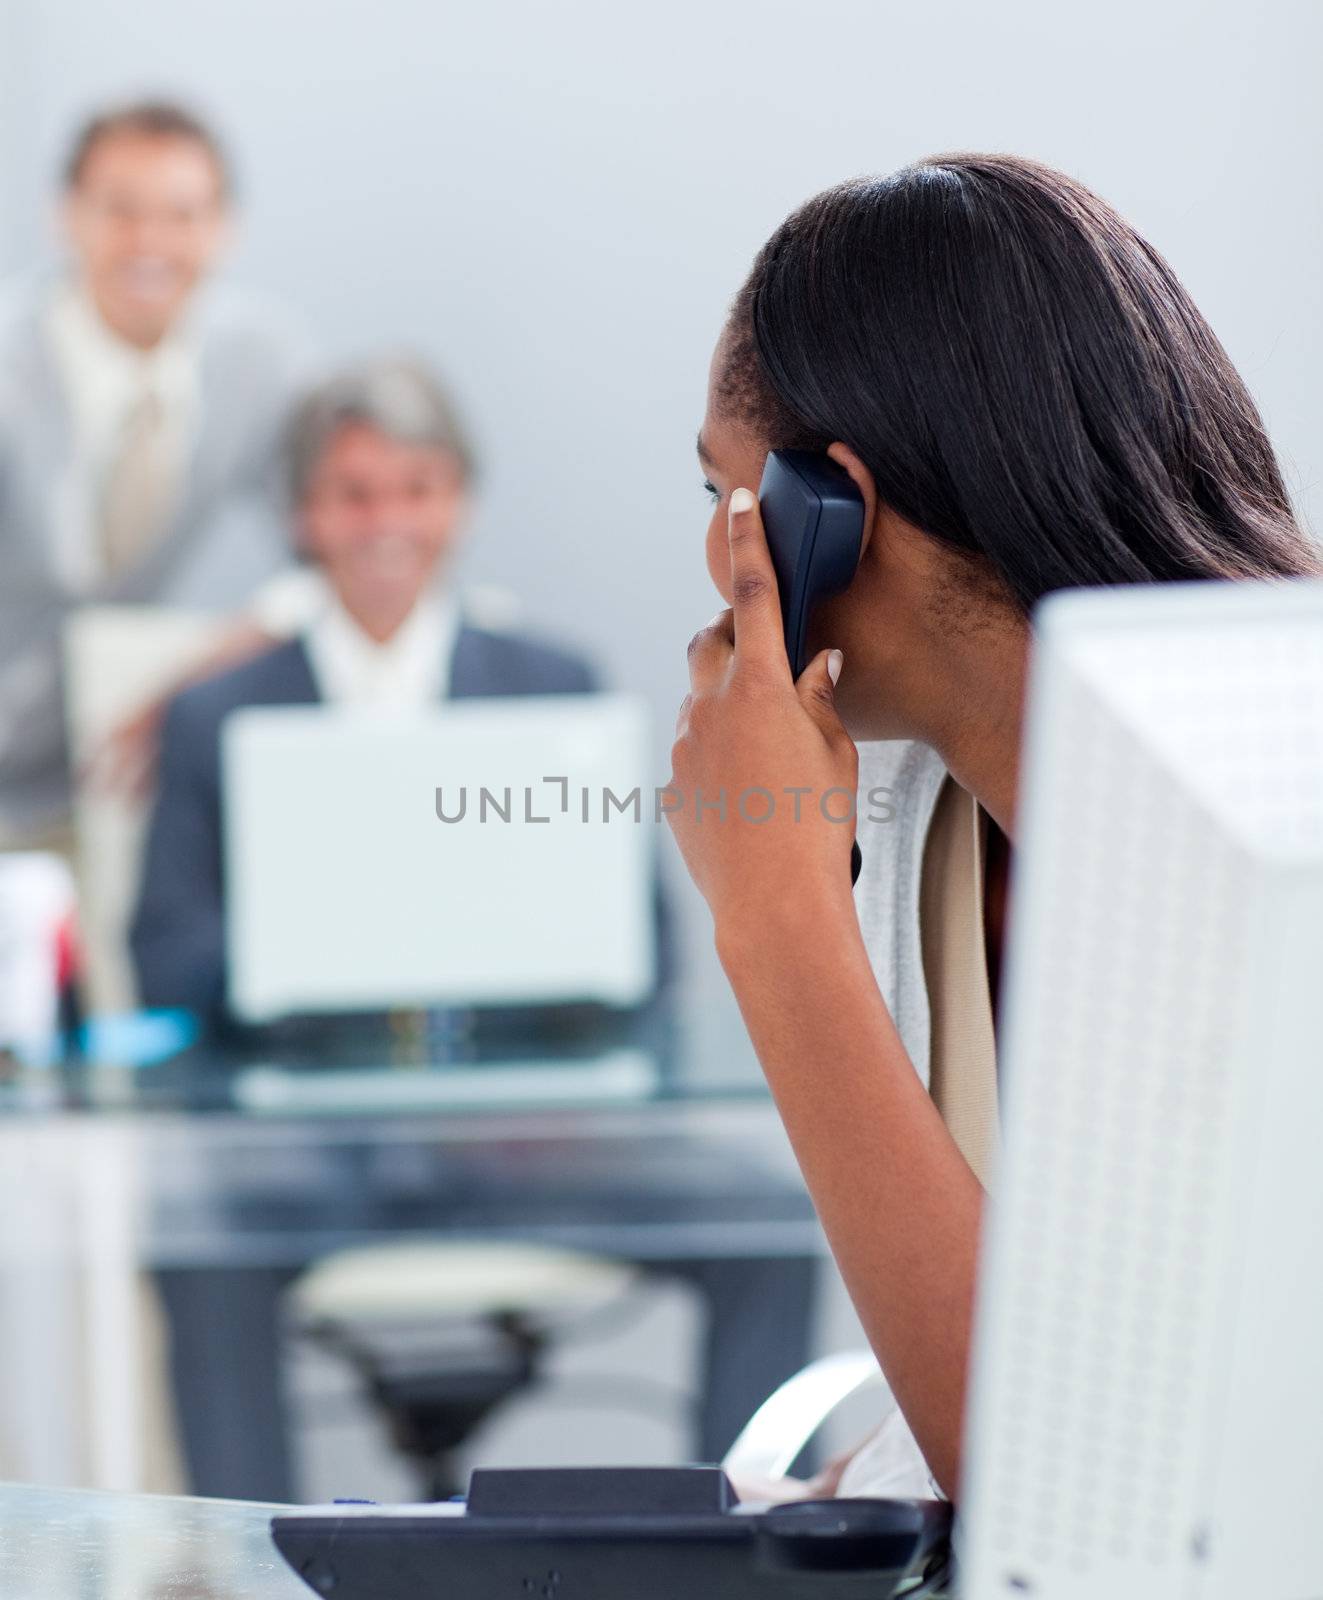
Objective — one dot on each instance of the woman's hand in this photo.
(762, 795)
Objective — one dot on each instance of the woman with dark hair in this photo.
(1027, 400)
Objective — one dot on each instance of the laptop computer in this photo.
(494, 851)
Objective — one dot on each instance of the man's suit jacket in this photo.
(178, 932)
(227, 533)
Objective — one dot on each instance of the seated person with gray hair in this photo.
(379, 477)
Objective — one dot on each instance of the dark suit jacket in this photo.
(178, 931)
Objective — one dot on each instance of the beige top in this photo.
(962, 1073)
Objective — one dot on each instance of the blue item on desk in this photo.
(650, 1533)
(137, 1038)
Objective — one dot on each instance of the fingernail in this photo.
(741, 500)
(835, 661)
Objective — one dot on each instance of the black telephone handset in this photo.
(813, 516)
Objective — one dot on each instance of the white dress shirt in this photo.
(408, 671)
(104, 379)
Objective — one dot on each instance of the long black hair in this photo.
(1022, 373)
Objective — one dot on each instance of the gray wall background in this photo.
(556, 201)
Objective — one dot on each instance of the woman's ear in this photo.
(862, 478)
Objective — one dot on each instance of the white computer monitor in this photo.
(1146, 1415)
(346, 891)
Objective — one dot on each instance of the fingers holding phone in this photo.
(764, 773)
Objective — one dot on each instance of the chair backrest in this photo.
(118, 661)
(778, 1431)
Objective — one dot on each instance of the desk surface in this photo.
(691, 1045)
(650, 1137)
(62, 1544)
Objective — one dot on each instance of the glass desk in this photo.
(75, 1545)
(223, 1173)
(63, 1544)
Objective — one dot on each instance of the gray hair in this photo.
(397, 396)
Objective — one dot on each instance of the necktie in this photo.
(136, 492)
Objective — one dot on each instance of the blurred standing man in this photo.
(140, 410)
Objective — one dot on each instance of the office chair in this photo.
(777, 1434)
(117, 660)
(440, 1334)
